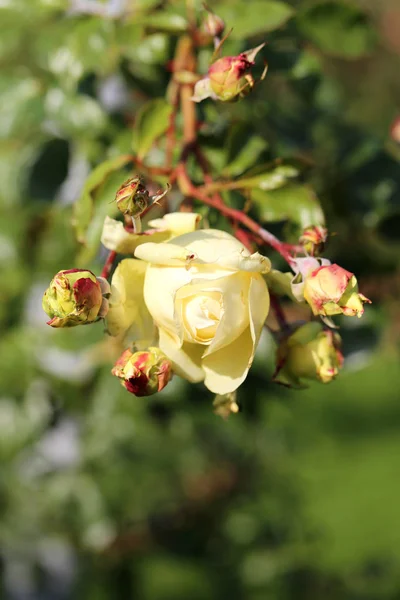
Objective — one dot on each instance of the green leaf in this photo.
(241, 156)
(270, 180)
(151, 122)
(293, 202)
(257, 17)
(338, 28)
(84, 208)
(164, 21)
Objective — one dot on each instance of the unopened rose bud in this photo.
(230, 78)
(132, 198)
(74, 297)
(143, 373)
(313, 239)
(310, 353)
(331, 290)
(213, 25)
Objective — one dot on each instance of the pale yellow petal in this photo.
(128, 315)
(235, 316)
(177, 223)
(186, 359)
(218, 248)
(259, 306)
(227, 368)
(160, 287)
(167, 254)
(115, 237)
(210, 244)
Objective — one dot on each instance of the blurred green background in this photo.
(104, 495)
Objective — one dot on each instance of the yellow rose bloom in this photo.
(207, 296)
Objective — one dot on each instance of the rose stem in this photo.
(108, 265)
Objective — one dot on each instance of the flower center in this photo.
(201, 316)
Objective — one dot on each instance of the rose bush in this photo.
(209, 301)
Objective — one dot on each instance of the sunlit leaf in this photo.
(256, 17)
(293, 202)
(151, 122)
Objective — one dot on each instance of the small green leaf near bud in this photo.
(143, 373)
(132, 198)
(74, 297)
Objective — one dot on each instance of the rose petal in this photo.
(215, 247)
(177, 223)
(227, 368)
(115, 237)
(186, 359)
(160, 287)
(167, 254)
(259, 307)
(128, 314)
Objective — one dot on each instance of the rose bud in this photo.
(213, 25)
(74, 297)
(228, 78)
(309, 353)
(313, 239)
(331, 290)
(132, 198)
(143, 373)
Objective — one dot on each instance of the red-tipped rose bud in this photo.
(132, 198)
(309, 353)
(230, 78)
(313, 239)
(74, 297)
(331, 290)
(143, 373)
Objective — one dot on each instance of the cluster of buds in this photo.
(143, 373)
(75, 297)
(229, 78)
(308, 352)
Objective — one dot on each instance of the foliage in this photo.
(110, 496)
